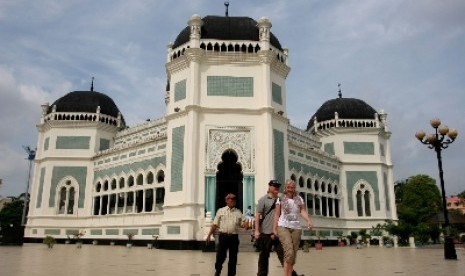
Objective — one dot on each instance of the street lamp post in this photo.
(31, 154)
(438, 142)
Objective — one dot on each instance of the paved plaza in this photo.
(66, 259)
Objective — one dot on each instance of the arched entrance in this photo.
(229, 179)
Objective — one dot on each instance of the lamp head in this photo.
(435, 122)
(453, 134)
(420, 135)
(443, 130)
(431, 138)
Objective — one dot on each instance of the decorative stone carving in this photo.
(238, 140)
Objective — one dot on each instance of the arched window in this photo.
(105, 185)
(113, 184)
(67, 193)
(121, 183)
(316, 185)
(323, 187)
(329, 188)
(301, 182)
(159, 198)
(363, 199)
(131, 181)
(317, 206)
(309, 183)
(160, 176)
(140, 179)
(293, 177)
(98, 187)
(150, 178)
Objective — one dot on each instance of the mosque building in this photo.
(225, 130)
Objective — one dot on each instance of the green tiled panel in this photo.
(311, 170)
(180, 91)
(354, 176)
(329, 148)
(177, 159)
(308, 233)
(71, 232)
(52, 231)
(361, 148)
(151, 231)
(58, 173)
(111, 232)
(104, 144)
(73, 142)
(46, 143)
(381, 149)
(276, 94)
(34, 231)
(96, 232)
(130, 231)
(338, 233)
(173, 230)
(278, 156)
(41, 188)
(134, 166)
(386, 191)
(230, 86)
(131, 154)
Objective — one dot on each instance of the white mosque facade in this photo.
(225, 130)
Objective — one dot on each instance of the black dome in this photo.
(226, 28)
(86, 101)
(347, 108)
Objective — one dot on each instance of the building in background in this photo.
(225, 130)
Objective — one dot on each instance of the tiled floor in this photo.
(36, 259)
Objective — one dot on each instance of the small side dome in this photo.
(85, 101)
(347, 108)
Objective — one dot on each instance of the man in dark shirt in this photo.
(264, 228)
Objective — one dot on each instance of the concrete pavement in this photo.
(66, 259)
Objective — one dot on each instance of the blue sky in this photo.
(404, 57)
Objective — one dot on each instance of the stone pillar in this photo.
(411, 241)
(396, 241)
(195, 23)
(264, 26)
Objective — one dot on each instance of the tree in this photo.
(417, 199)
(462, 195)
(421, 200)
(10, 222)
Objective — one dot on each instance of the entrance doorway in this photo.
(229, 180)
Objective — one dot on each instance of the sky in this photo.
(404, 57)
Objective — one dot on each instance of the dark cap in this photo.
(274, 183)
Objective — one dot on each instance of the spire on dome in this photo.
(339, 91)
(226, 4)
(92, 85)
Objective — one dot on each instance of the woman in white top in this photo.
(289, 208)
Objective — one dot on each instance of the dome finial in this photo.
(92, 85)
(339, 91)
(226, 4)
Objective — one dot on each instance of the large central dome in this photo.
(226, 28)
